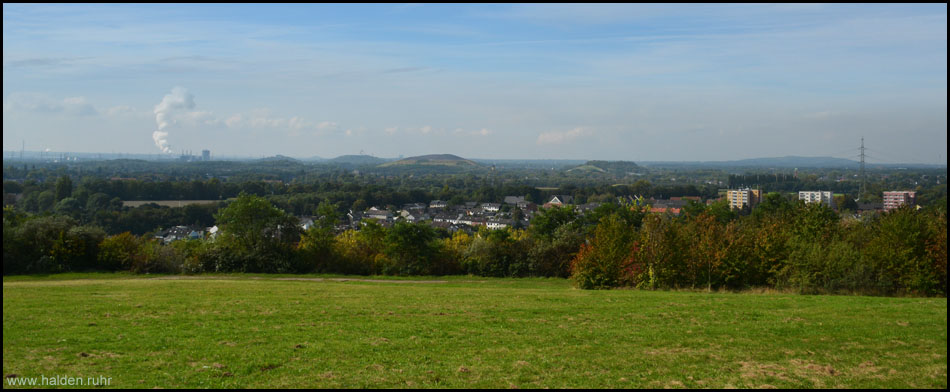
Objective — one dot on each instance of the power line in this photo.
(889, 158)
(849, 153)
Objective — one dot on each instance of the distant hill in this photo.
(793, 161)
(357, 160)
(606, 166)
(785, 162)
(278, 158)
(432, 160)
(529, 163)
(314, 159)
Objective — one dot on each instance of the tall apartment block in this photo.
(740, 197)
(824, 197)
(894, 199)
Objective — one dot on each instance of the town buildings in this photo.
(895, 199)
(824, 197)
(738, 198)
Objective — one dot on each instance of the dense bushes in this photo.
(608, 261)
(805, 248)
(784, 245)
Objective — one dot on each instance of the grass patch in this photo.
(261, 331)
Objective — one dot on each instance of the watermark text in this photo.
(64, 380)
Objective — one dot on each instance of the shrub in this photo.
(120, 252)
(607, 261)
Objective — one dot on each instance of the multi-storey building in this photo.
(741, 197)
(894, 199)
(824, 197)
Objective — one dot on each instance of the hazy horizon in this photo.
(574, 82)
(157, 156)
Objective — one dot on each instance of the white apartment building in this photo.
(824, 197)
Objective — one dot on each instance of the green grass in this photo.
(258, 331)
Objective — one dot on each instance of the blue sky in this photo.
(632, 82)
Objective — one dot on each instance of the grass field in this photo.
(268, 331)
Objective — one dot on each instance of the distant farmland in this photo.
(168, 203)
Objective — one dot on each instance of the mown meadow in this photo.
(316, 331)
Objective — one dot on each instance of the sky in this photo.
(634, 82)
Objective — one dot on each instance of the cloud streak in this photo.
(564, 137)
(39, 103)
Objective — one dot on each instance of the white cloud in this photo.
(121, 110)
(234, 121)
(327, 125)
(30, 102)
(197, 118)
(562, 137)
(262, 118)
(79, 106)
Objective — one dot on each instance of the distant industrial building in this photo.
(738, 198)
(895, 199)
(824, 197)
(205, 155)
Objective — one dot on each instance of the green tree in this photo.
(64, 188)
(774, 204)
(69, 207)
(45, 201)
(316, 244)
(259, 236)
(34, 244)
(606, 261)
(121, 251)
(410, 249)
(548, 220)
(552, 257)
(78, 248)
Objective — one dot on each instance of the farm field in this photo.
(167, 203)
(351, 332)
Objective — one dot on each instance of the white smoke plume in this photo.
(161, 140)
(178, 99)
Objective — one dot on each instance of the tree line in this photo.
(781, 244)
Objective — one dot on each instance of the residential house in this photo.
(179, 233)
(378, 214)
(514, 200)
(559, 200)
(491, 207)
(414, 206)
(413, 215)
(498, 223)
(584, 208)
(306, 223)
